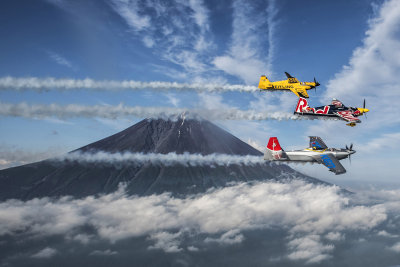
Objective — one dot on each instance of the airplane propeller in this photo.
(364, 108)
(350, 149)
(316, 84)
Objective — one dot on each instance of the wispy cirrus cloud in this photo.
(373, 69)
(177, 31)
(61, 60)
(253, 27)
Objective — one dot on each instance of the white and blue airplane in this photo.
(317, 152)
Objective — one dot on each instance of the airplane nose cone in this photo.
(352, 151)
(363, 110)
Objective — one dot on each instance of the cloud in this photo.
(386, 234)
(373, 69)
(177, 31)
(334, 236)
(129, 11)
(120, 111)
(61, 60)
(11, 156)
(246, 57)
(229, 238)
(106, 252)
(45, 253)
(310, 249)
(307, 212)
(382, 143)
(169, 242)
(396, 247)
(173, 99)
(50, 84)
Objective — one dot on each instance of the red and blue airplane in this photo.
(336, 110)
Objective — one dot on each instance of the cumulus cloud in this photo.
(111, 112)
(229, 238)
(309, 248)
(334, 236)
(169, 242)
(307, 212)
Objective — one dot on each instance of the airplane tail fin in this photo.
(264, 83)
(274, 150)
(302, 105)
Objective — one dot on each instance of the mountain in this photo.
(45, 178)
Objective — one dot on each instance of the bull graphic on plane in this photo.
(336, 110)
(318, 152)
(292, 84)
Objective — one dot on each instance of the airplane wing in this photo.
(302, 93)
(347, 115)
(295, 92)
(331, 163)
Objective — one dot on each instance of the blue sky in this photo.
(351, 47)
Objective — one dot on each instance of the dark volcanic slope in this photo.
(159, 136)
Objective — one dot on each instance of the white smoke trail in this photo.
(112, 112)
(169, 159)
(49, 84)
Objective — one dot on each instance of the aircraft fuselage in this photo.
(306, 155)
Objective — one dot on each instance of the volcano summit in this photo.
(50, 178)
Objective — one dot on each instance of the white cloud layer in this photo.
(308, 212)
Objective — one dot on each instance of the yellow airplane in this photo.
(292, 84)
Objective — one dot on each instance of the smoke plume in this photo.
(53, 84)
(111, 112)
(169, 159)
